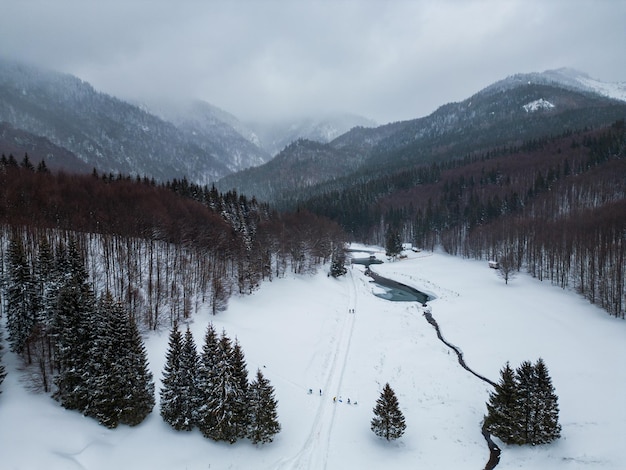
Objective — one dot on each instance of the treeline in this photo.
(556, 203)
(160, 247)
(159, 254)
(557, 211)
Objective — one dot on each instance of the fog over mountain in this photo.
(261, 61)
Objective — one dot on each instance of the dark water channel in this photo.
(397, 292)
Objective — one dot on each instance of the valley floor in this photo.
(301, 333)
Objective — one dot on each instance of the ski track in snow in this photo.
(313, 454)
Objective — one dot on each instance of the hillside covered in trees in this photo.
(90, 249)
(554, 206)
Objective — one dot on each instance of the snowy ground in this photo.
(300, 333)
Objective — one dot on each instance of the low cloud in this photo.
(385, 60)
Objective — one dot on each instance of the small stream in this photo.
(397, 292)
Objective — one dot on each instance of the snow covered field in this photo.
(300, 333)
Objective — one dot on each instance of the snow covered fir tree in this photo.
(171, 393)
(388, 421)
(87, 351)
(263, 425)
(121, 386)
(393, 243)
(523, 409)
(21, 299)
(338, 262)
(211, 391)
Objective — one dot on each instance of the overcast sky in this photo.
(386, 60)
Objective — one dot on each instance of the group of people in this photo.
(335, 399)
(341, 400)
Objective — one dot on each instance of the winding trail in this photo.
(313, 455)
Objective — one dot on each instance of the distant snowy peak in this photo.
(612, 90)
(537, 105)
(565, 77)
(275, 136)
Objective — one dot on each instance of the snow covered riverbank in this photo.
(300, 333)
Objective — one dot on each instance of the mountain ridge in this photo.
(105, 132)
(496, 116)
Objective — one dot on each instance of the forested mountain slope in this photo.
(18, 143)
(211, 243)
(112, 135)
(216, 132)
(496, 117)
(554, 206)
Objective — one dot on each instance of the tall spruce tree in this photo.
(263, 424)
(188, 385)
(172, 398)
(226, 394)
(338, 262)
(393, 243)
(208, 373)
(546, 425)
(240, 400)
(388, 421)
(45, 280)
(502, 418)
(73, 333)
(525, 378)
(138, 401)
(21, 299)
(119, 382)
(104, 380)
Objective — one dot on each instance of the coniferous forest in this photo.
(555, 205)
(89, 261)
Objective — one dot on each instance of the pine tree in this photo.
(73, 332)
(45, 279)
(525, 377)
(226, 394)
(207, 379)
(337, 263)
(502, 417)
(172, 398)
(104, 380)
(21, 307)
(240, 399)
(138, 399)
(119, 382)
(188, 387)
(393, 243)
(546, 425)
(263, 424)
(388, 421)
